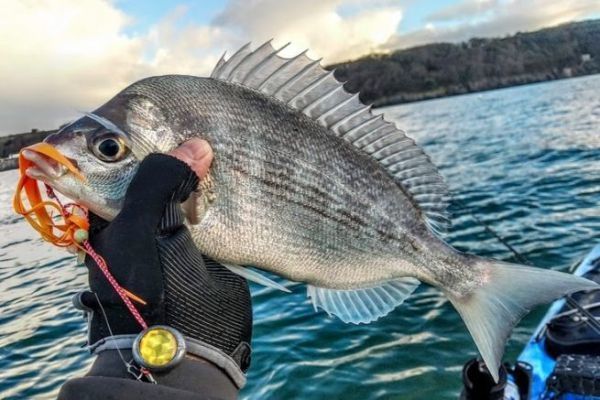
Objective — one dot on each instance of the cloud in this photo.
(172, 47)
(492, 18)
(54, 59)
(463, 10)
(75, 55)
(319, 25)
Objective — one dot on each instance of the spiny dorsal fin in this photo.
(305, 86)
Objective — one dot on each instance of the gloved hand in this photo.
(151, 254)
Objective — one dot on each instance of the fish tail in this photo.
(507, 293)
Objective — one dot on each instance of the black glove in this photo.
(152, 255)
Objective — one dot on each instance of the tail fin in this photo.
(509, 291)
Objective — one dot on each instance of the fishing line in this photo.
(113, 282)
(521, 258)
(589, 319)
(129, 366)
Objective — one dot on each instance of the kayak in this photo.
(560, 361)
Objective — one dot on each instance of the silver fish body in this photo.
(287, 196)
(306, 183)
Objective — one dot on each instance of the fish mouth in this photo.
(44, 168)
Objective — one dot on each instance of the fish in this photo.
(307, 183)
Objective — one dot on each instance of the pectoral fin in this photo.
(255, 277)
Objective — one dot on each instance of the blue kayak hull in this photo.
(535, 354)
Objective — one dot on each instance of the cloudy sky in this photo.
(61, 56)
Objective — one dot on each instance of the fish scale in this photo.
(308, 209)
(309, 184)
(311, 196)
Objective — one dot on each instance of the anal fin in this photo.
(361, 306)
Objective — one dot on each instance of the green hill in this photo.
(443, 69)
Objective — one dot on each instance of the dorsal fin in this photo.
(305, 86)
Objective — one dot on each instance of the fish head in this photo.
(107, 147)
(102, 154)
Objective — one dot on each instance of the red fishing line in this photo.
(63, 233)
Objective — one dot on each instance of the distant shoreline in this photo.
(8, 164)
(11, 145)
(479, 64)
(433, 96)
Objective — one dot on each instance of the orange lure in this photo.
(38, 212)
(29, 203)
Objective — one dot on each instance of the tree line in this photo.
(443, 69)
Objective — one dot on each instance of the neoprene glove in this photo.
(151, 254)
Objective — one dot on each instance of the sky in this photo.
(61, 57)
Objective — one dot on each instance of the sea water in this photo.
(525, 160)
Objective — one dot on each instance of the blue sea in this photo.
(526, 160)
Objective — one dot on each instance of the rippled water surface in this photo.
(525, 159)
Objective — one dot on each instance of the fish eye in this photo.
(109, 148)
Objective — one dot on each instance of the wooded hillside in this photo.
(443, 69)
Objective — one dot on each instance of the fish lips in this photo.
(44, 168)
(53, 174)
(50, 172)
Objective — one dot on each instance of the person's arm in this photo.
(151, 254)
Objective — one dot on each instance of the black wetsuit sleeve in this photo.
(108, 388)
